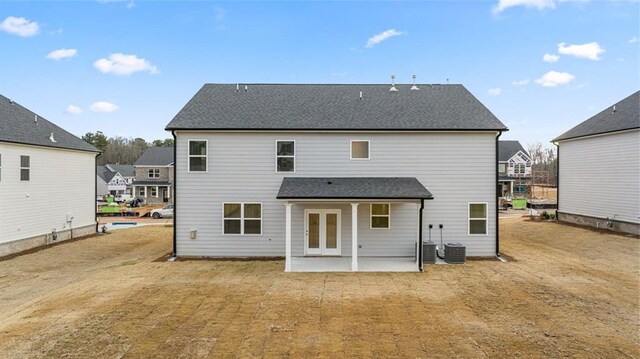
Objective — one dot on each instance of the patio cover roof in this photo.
(352, 188)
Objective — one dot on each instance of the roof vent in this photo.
(414, 87)
(237, 87)
(11, 101)
(35, 118)
(246, 88)
(614, 109)
(360, 95)
(393, 83)
(51, 138)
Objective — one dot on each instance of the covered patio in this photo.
(323, 201)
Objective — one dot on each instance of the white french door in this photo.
(322, 232)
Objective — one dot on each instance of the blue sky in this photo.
(127, 67)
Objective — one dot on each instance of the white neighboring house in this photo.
(352, 173)
(110, 182)
(514, 168)
(47, 181)
(599, 169)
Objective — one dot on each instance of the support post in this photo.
(354, 237)
(157, 194)
(511, 188)
(287, 237)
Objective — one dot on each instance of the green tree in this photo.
(98, 140)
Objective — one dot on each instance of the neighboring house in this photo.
(110, 182)
(47, 181)
(514, 168)
(346, 171)
(599, 169)
(154, 175)
(127, 172)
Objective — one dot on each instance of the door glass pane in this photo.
(314, 230)
(332, 231)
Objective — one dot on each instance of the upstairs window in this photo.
(285, 156)
(154, 173)
(359, 150)
(380, 215)
(25, 168)
(198, 155)
(502, 168)
(478, 219)
(519, 168)
(242, 218)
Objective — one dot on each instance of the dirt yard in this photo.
(568, 292)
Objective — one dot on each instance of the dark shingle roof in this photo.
(626, 117)
(156, 156)
(18, 125)
(334, 107)
(353, 187)
(124, 170)
(508, 148)
(104, 173)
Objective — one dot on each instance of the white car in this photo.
(166, 212)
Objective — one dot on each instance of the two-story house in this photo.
(127, 172)
(514, 168)
(350, 177)
(47, 181)
(154, 175)
(110, 181)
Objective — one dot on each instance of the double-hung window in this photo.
(380, 215)
(519, 169)
(502, 168)
(154, 173)
(285, 156)
(25, 168)
(478, 219)
(198, 155)
(242, 218)
(360, 150)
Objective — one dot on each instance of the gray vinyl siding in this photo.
(600, 176)
(456, 167)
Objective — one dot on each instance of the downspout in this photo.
(420, 235)
(175, 199)
(497, 198)
(95, 192)
(557, 179)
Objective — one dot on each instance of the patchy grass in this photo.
(571, 292)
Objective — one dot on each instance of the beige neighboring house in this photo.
(47, 181)
(154, 175)
(599, 169)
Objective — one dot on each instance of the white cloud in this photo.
(589, 51)
(376, 39)
(633, 40)
(521, 82)
(103, 106)
(74, 110)
(495, 91)
(554, 78)
(62, 54)
(550, 58)
(20, 26)
(121, 64)
(538, 4)
(131, 5)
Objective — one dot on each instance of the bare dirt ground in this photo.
(568, 292)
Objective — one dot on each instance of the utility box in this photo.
(428, 253)
(455, 253)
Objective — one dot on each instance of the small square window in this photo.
(359, 150)
(242, 218)
(380, 215)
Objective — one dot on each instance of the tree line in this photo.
(120, 149)
(545, 162)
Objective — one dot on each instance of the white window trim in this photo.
(371, 215)
(351, 150)
(25, 168)
(206, 156)
(242, 219)
(295, 150)
(154, 173)
(486, 228)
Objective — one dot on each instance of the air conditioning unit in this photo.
(454, 253)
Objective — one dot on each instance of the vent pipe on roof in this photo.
(246, 88)
(35, 118)
(51, 138)
(414, 87)
(393, 83)
(237, 87)
(360, 95)
(614, 109)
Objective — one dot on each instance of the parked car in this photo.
(165, 212)
(124, 198)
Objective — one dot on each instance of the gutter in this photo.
(557, 178)
(420, 236)
(175, 200)
(497, 196)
